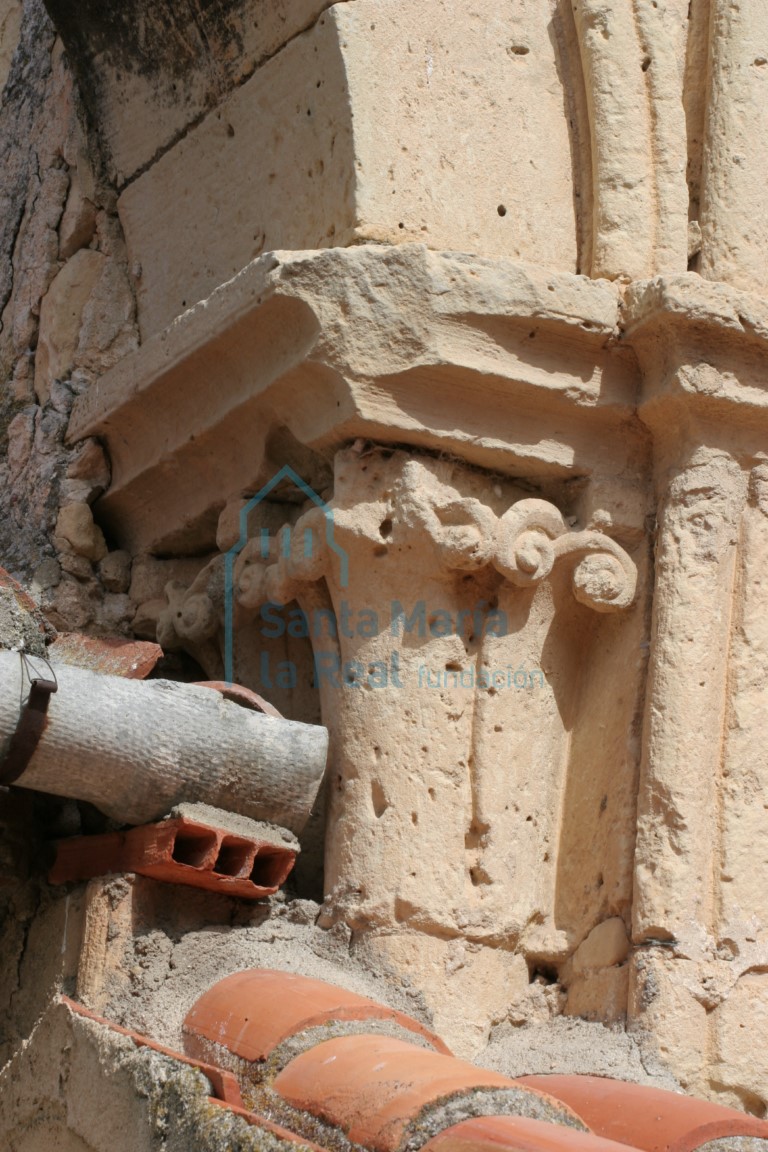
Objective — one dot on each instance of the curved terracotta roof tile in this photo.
(517, 1134)
(251, 1012)
(649, 1118)
(112, 656)
(241, 695)
(374, 1087)
(388, 1095)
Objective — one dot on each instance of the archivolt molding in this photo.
(638, 130)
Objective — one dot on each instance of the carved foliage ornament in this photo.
(523, 545)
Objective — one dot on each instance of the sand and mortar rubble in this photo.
(177, 950)
(568, 1045)
(167, 964)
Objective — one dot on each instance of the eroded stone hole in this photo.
(378, 799)
(385, 528)
(479, 876)
(541, 973)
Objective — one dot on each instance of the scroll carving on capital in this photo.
(193, 618)
(532, 536)
(522, 544)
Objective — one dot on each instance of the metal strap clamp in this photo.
(31, 724)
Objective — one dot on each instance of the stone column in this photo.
(734, 208)
(685, 715)
(676, 967)
(409, 617)
(697, 983)
(744, 854)
(445, 586)
(526, 713)
(740, 981)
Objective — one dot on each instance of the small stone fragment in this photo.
(75, 525)
(61, 316)
(90, 464)
(605, 946)
(46, 575)
(115, 571)
(116, 611)
(78, 566)
(144, 623)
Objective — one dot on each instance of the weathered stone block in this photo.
(78, 224)
(274, 169)
(146, 76)
(61, 315)
(467, 987)
(599, 995)
(741, 1063)
(322, 147)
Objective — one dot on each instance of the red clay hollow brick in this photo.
(516, 1134)
(648, 1118)
(373, 1087)
(179, 851)
(251, 1012)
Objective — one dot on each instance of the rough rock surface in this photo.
(66, 308)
